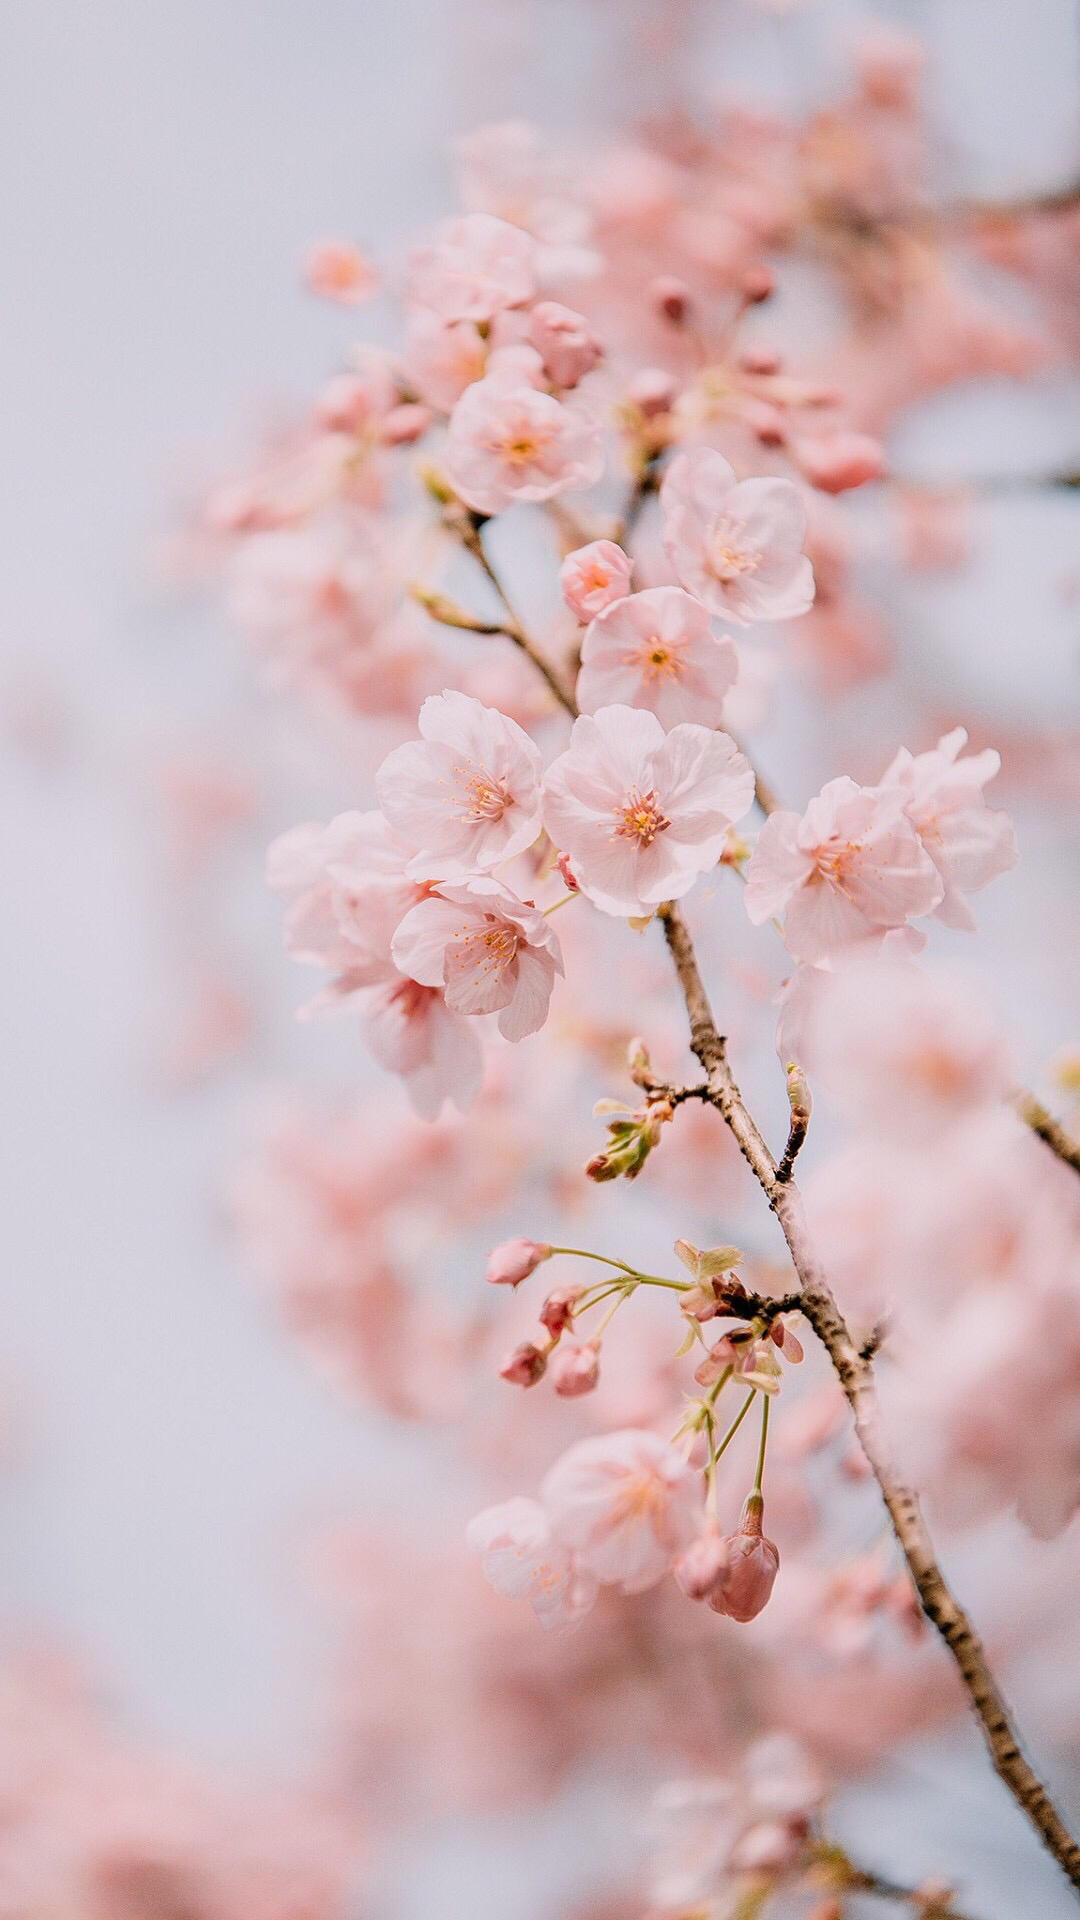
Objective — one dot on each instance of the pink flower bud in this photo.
(670, 297)
(513, 1261)
(525, 1366)
(757, 284)
(565, 342)
(557, 1311)
(836, 462)
(567, 871)
(653, 391)
(594, 577)
(700, 1567)
(575, 1370)
(760, 360)
(405, 424)
(752, 1562)
(769, 1846)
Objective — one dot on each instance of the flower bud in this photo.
(525, 1366)
(701, 1565)
(769, 1846)
(653, 391)
(837, 462)
(565, 342)
(757, 284)
(563, 864)
(405, 424)
(671, 297)
(575, 1370)
(747, 1581)
(594, 577)
(513, 1261)
(764, 360)
(557, 1312)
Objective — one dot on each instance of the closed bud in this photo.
(565, 342)
(563, 864)
(512, 1262)
(653, 392)
(575, 1370)
(525, 1366)
(757, 284)
(671, 297)
(838, 462)
(557, 1312)
(752, 1563)
(404, 424)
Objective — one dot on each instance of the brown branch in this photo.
(1042, 1122)
(852, 1367)
(856, 1376)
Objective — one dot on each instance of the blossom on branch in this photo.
(736, 544)
(490, 951)
(467, 793)
(657, 650)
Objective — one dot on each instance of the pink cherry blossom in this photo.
(626, 1503)
(339, 271)
(736, 544)
(850, 869)
(565, 342)
(640, 812)
(969, 842)
(595, 576)
(413, 1033)
(466, 795)
(509, 441)
(348, 889)
(746, 1583)
(492, 952)
(575, 1370)
(657, 650)
(478, 266)
(443, 357)
(522, 1560)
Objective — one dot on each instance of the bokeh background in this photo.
(167, 1454)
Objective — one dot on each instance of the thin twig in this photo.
(1042, 1122)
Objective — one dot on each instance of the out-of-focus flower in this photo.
(969, 842)
(522, 1560)
(626, 1503)
(565, 342)
(640, 812)
(337, 270)
(477, 267)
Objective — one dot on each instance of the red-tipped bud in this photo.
(563, 864)
(653, 391)
(671, 297)
(565, 342)
(757, 284)
(837, 462)
(525, 1366)
(557, 1312)
(747, 1581)
(760, 360)
(405, 424)
(702, 1565)
(575, 1370)
(513, 1261)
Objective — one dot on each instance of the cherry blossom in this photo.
(736, 544)
(640, 812)
(849, 870)
(509, 441)
(969, 842)
(657, 650)
(443, 357)
(522, 1559)
(339, 271)
(492, 952)
(594, 576)
(477, 267)
(413, 1033)
(626, 1503)
(348, 889)
(466, 795)
(565, 342)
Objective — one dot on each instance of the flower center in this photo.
(640, 818)
(479, 795)
(658, 659)
(836, 860)
(525, 444)
(489, 948)
(730, 554)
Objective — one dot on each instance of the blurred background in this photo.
(169, 1456)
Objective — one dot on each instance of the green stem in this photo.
(735, 1425)
(764, 1439)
